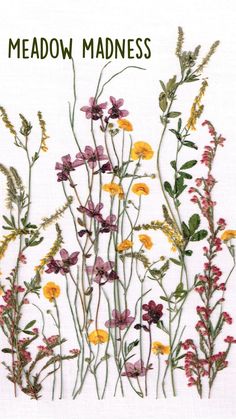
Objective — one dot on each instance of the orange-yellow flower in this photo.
(125, 124)
(51, 291)
(146, 241)
(98, 336)
(159, 348)
(114, 189)
(125, 245)
(140, 189)
(141, 150)
(228, 235)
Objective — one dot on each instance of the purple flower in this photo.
(63, 265)
(121, 320)
(66, 167)
(101, 270)
(92, 211)
(92, 156)
(108, 224)
(115, 112)
(154, 312)
(135, 370)
(94, 110)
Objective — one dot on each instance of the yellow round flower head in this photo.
(113, 189)
(140, 189)
(125, 245)
(146, 241)
(228, 235)
(141, 150)
(98, 336)
(125, 125)
(159, 348)
(51, 291)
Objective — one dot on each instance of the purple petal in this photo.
(66, 159)
(64, 254)
(59, 166)
(103, 105)
(91, 101)
(113, 100)
(73, 258)
(110, 323)
(123, 113)
(85, 108)
(119, 103)
(99, 262)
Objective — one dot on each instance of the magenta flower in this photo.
(63, 265)
(115, 112)
(92, 156)
(92, 211)
(154, 312)
(66, 167)
(108, 224)
(135, 370)
(94, 111)
(121, 320)
(102, 270)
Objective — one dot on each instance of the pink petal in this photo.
(119, 103)
(91, 101)
(113, 100)
(64, 254)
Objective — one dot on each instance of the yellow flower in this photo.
(125, 245)
(141, 150)
(114, 189)
(146, 241)
(197, 107)
(51, 291)
(159, 348)
(228, 235)
(140, 189)
(125, 124)
(98, 336)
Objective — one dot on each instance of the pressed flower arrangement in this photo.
(127, 303)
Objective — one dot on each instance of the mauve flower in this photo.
(121, 320)
(135, 370)
(94, 110)
(106, 167)
(154, 312)
(108, 224)
(92, 156)
(100, 270)
(66, 167)
(63, 265)
(115, 112)
(92, 210)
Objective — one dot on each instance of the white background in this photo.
(31, 85)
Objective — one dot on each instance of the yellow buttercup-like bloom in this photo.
(141, 150)
(125, 245)
(125, 124)
(98, 336)
(51, 291)
(140, 189)
(113, 189)
(228, 235)
(159, 348)
(146, 241)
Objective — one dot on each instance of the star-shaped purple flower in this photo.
(92, 210)
(66, 167)
(115, 112)
(94, 111)
(101, 271)
(135, 370)
(92, 156)
(63, 265)
(154, 312)
(120, 320)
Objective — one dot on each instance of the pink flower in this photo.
(66, 167)
(94, 111)
(92, 156)
(134, 370)
(230, 339)
(120, 320)
(102, 270)
(115, 112)
(63, 265)
(227, 318)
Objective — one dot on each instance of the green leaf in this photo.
(163, 86)
(186, 231)
(30, 324)
(176, 261)
(168, 189)
(188, 252)
(7, 220)
(194, 223)
(188, 164)
(163, 103)
(189, 144)
(199, 235)
(7, 351)
(173, 114)
(179, 124)
(185, 175)
(173, 164)
(177, 134)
